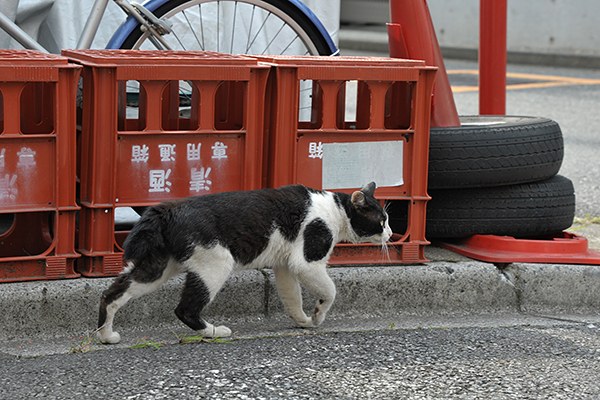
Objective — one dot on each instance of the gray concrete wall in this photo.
(535, 27)
(564, 27)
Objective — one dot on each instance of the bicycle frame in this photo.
(19, 34)
(144, 17)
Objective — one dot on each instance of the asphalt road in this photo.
(525, 362)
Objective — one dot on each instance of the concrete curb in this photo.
(69, 307)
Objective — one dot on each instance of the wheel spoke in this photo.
(289, 44)
(250, 29)
(274, 37)
(233, 28)
(201, 26)
(260, 29)
(218, 22)
(179, 40)
(192, 29)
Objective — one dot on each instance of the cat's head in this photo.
(368, 219)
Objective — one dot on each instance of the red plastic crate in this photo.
(158, 154)
(390, 131)
(37, 166)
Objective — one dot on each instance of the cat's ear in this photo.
(369, 189)
(358, 199)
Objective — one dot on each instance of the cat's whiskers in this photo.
(385, 250)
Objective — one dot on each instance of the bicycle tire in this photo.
(490, 151)
(293, 13)
(526, 210)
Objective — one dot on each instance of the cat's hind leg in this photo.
(290, 294)
(129, 285)
(208, 269)
(314, 277)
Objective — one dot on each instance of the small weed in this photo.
(147, 344)
(586, 220)
(83, 346)
(219, 341)
(201, 339)
(190, 339)
(392, 325)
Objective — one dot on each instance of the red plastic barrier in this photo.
(159, 154)
(392, 115)
(566, 248)
(37, 166)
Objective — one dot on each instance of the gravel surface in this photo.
(559, 362)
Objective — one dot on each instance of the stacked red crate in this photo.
(37, 166)
(194, 125)
(314, 142)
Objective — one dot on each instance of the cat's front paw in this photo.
(108, 337)
(320, 312)
(305, 323)
(318, 318)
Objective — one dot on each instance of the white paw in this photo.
(215, 331)
(304, 323)
(318, 318)
(222, 331)
(109, 337)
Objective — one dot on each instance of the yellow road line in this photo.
(553, 78)
(462, 72)
(462, 89)
(544, 81)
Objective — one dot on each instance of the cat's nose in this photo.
(387, 234)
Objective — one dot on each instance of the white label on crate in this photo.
(8, 187)
(199, 179)
(315, 150)
(159, 180)
(140, 154)
(167, 152)
(193, 151)
(26, 157)
(352, 165)
(219, 151)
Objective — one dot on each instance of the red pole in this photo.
(492, 57)
(411, 35)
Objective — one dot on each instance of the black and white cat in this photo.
(292, 229)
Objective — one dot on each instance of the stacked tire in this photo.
(495, 175)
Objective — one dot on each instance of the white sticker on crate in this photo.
(352, 165)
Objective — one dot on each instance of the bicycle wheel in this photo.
(233, 26)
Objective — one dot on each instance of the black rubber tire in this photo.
(526, 210)
(491, 151)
